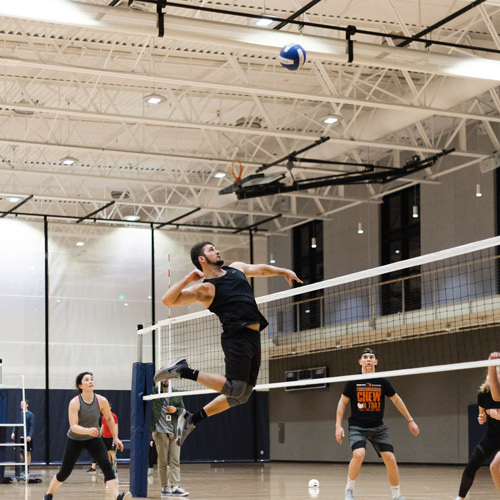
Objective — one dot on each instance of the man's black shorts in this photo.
(29, 444)
(108, 442)
(242, 355)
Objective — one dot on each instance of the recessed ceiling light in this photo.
(220, 175)
(131, 218)
(331, 119)
(80, 243)
(261, 22)
(154, 99)
(13, 199)
(68, 160)
(24, 112)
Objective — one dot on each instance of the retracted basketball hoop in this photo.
(237, 178)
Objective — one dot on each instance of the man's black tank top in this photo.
(234, 301)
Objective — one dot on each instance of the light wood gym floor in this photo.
(269, 481)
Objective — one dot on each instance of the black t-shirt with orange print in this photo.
(368, 400)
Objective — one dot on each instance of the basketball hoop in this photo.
(237, 178)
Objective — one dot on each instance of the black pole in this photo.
(47, 392)
(153, 296)
(250, 233)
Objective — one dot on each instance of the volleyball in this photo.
(313, 483)
(292, 56)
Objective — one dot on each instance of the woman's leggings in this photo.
(489, 444)
(97, 450)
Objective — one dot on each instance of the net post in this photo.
(140, 416)
(139, 344)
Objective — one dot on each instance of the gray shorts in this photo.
(378, 437)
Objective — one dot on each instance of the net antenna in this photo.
(434, 313)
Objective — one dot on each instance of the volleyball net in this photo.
(437, 312)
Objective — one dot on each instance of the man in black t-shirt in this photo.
(226, 292)
(367, 398)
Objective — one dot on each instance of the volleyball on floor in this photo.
(313, 483)
(292, 56)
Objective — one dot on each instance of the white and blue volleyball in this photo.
(292, 56)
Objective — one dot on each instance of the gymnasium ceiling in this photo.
(77, 87)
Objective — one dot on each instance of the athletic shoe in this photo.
(170, 371)
(48, 496)
(349, 495)
(177, 491)
(150, 471)
(166, 491)
(92, 470)
(124, 496)
(184, 426)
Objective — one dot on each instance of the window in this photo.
(308, 265)
(400, 238)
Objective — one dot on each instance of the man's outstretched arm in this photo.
(265, 270)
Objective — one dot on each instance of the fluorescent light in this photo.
(220, 175)
(475, 67)
(154, 99)
(13, 199)
(331, 119)
(80, 243)
(132, 218)
(60, 11)
(68, 160)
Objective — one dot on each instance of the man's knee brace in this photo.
(237, 392)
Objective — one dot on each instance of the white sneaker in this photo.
(349, 495)
(166, 491)
(177, 491)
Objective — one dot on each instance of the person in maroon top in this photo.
(367, 398)
(226, 292)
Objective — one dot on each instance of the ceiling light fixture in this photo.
(154, 99)
(261, 22)
(68, 160)
(220, 175)
(415, 212)
(272, 260)
(80, 243)
(331, 119)
(313, 242)
(360, 228)
(478, 191)
(13, 199)
(24, 112)
(131, 218)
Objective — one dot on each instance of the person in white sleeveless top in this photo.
(84, 412)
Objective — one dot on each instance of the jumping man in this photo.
(226, 292)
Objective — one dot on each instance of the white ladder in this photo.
(23, 425)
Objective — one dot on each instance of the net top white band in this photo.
(376, 271)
